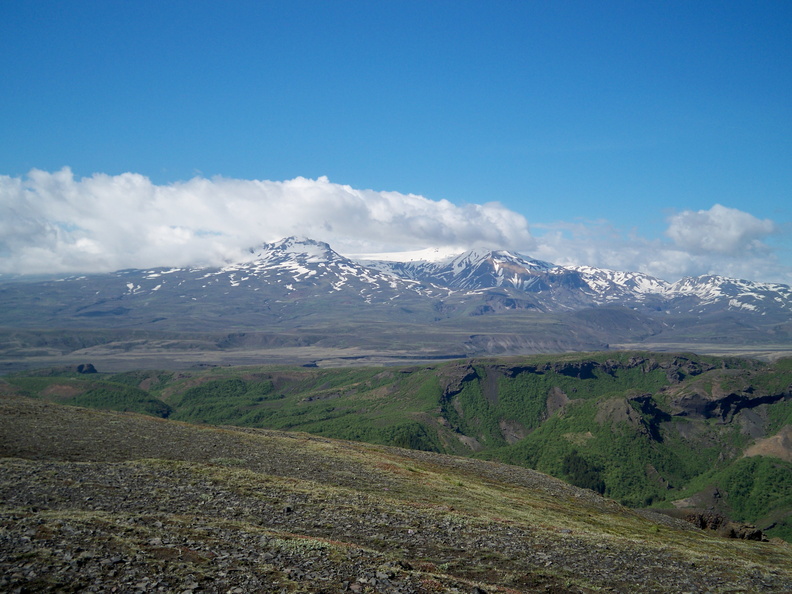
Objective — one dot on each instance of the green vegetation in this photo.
(101, 394)
(222, 401)
(643, 428)
(582, 473)
(152, 380)
(122, 398)
(757, 489)
(780, 415)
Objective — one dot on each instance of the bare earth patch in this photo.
(777, 446)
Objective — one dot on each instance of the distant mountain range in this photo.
(301, 284)
(555, 287)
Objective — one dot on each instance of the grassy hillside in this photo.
(646, 429)
(109, 501)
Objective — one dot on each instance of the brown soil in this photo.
(777, 446)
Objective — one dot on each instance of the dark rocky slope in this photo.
(99, 501)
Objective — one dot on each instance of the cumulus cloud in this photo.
(719, 230)
(53, 222)
(723, 241)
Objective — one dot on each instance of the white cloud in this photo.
(723, 241)
(52, 222)
(719, 230)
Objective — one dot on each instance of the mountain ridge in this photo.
(478, 269)
(478, 302)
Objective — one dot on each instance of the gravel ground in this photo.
(109, 502)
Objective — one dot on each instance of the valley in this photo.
(646, 429)
(487, 422)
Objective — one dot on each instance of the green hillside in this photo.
(646, 429)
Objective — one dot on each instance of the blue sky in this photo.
(612, 128)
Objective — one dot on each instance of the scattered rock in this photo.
(95, 510)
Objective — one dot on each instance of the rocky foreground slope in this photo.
(101, 501)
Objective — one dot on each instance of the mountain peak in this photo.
(474, 269)
(299, 248)
(298, 242)
(498, 259)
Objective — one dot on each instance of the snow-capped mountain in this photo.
(718, 292)
(304, 265)
(563, 287)
(290, 268)
(475, 269)
(612, 283)
(295, 282)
